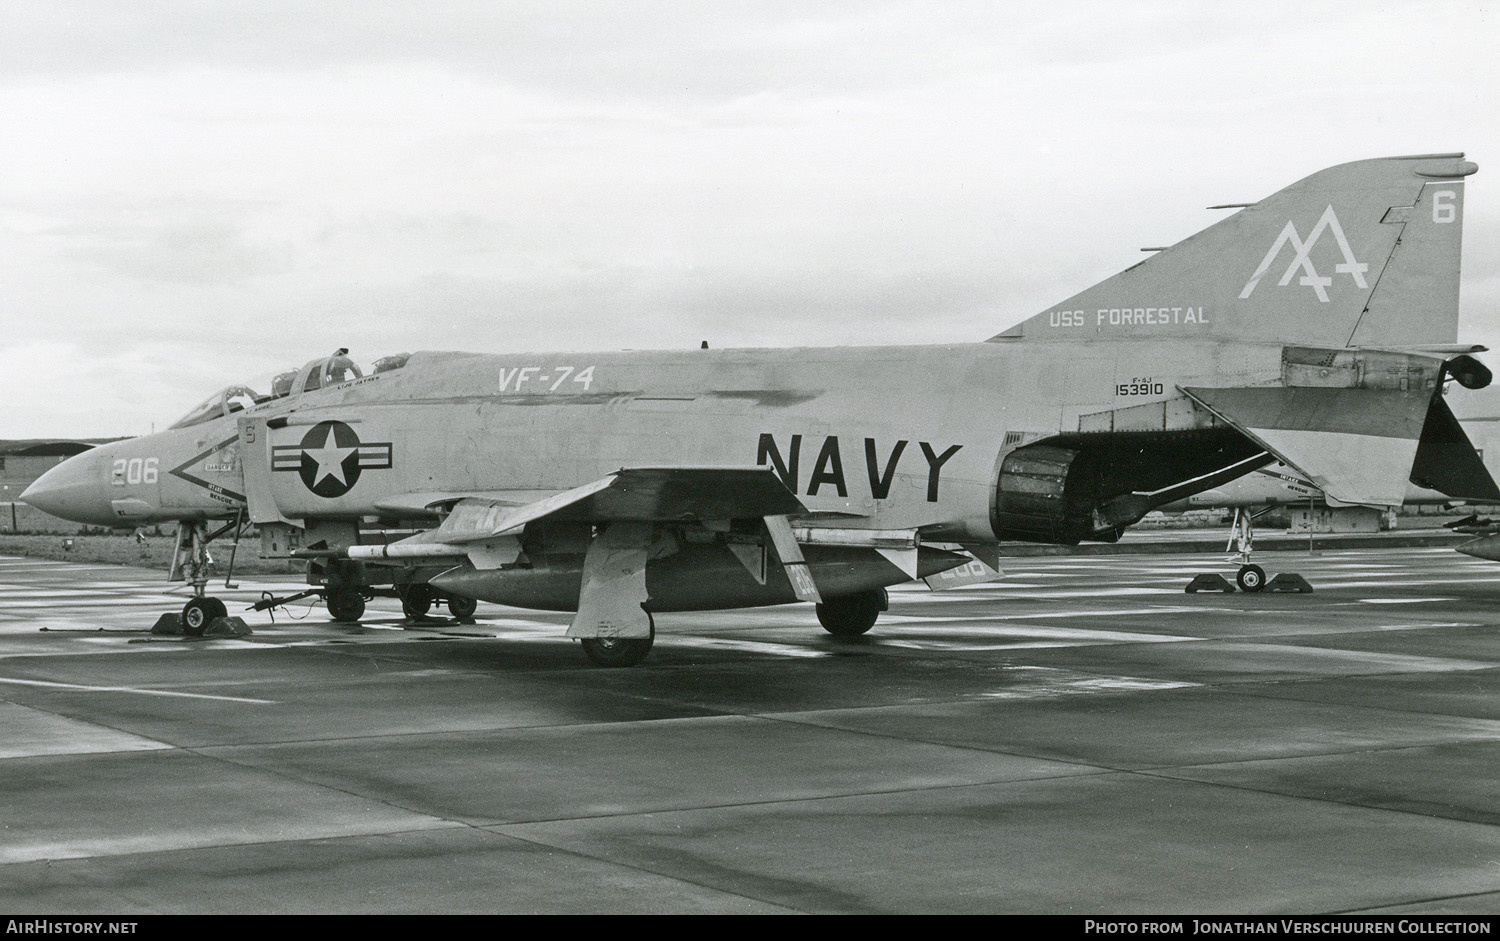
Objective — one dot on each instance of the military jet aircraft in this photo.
(1310, 327)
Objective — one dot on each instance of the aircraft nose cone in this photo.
(74, 490)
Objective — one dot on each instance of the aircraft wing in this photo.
(487, 532)
(435, 502)
(635, 494)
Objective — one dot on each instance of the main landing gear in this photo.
(850, 616)
(620, 651)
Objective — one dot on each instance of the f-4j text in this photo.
(1139, 387)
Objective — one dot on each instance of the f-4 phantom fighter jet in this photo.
(1315, 327)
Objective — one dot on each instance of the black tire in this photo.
(1251, 578)
(617, 651)
(416, 600)
(345, 605)
(851, 615)
(462, 607)
(199, 612)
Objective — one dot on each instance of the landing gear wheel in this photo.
(619, 651)
(416, 601)
(461, 607)
(198, 612)
(851, 615)
(1251, 578)
(345, 605)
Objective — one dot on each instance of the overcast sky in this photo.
(194, 193)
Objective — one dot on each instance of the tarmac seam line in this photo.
(1159, 774)
(1436, 898)
(497, 830)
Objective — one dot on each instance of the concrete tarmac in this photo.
(1083, 737)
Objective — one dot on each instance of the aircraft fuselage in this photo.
(891, 437)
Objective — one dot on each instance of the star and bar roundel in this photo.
(330, 458)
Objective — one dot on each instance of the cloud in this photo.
(245, 186)
(190, 251)
(66, 388)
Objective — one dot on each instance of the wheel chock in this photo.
(227, 627)
(427, 622)
(1208, 581)
(1289, 581)
(169, 625)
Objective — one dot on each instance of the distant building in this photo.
(22, 462)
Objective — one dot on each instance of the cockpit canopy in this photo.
(315, 374)
(221, 403)
(328, 371)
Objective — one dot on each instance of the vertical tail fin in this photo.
(1364, 253)
(1415, 301)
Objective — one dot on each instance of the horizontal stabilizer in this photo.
(1446, 460)
(1357, 445)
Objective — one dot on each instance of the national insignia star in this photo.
(330, 459)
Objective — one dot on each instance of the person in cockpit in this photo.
(340, 368)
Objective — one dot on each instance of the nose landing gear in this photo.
(192, 564)
(198, 613)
